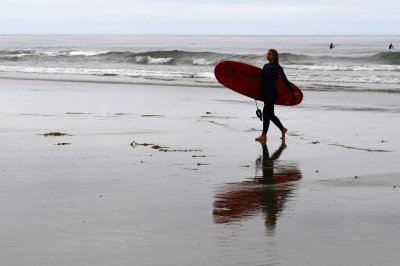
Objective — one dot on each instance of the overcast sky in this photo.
(200, 16)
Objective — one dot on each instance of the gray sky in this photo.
(200, 16)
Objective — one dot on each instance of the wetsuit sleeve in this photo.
(282, 73)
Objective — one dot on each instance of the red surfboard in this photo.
(247, 80)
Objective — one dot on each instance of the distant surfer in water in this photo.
(271, 72)
(332, 45)
(391, 46)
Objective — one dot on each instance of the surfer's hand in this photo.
(295, 95)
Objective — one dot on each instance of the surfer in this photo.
(332, 45)
(271, 72)
(391, 46)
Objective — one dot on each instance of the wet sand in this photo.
(202, 192)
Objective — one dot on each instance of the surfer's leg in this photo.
(278, 123)
(268, 111)
(265, 125)
(266, 119)
(275, 119)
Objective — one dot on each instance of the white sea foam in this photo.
(333, 79)
(345, 67)
(151, 60)
(202, 61)
(162, 74)
(13, 55)
(16, 55)
(121, 72)
(52, 53)
(86, 53)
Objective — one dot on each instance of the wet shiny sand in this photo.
(202, 192)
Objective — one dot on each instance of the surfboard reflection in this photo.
(266, 193)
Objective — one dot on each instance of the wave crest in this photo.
(390, 58)
(179, 57)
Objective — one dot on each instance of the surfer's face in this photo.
(270, 57)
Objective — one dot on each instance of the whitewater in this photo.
(189, 60)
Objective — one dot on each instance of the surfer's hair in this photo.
(275, 53)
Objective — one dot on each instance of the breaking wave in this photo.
(173, 57)
(198, 66)
(179, 57)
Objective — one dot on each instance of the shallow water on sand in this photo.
(203, 192)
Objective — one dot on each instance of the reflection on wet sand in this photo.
(266, 193)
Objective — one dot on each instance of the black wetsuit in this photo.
(271, 72)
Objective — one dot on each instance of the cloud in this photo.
(185, 16)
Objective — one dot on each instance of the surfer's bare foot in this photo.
(284, 130)
(262, 137)
(263, 142)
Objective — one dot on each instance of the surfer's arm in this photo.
(282, 73)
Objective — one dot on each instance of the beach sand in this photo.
(199, 193)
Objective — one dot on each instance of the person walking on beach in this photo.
(271, 72)
(391, 46)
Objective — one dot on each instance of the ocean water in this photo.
(357, 63)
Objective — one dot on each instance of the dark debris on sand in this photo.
(55, 134)
(134, 144)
